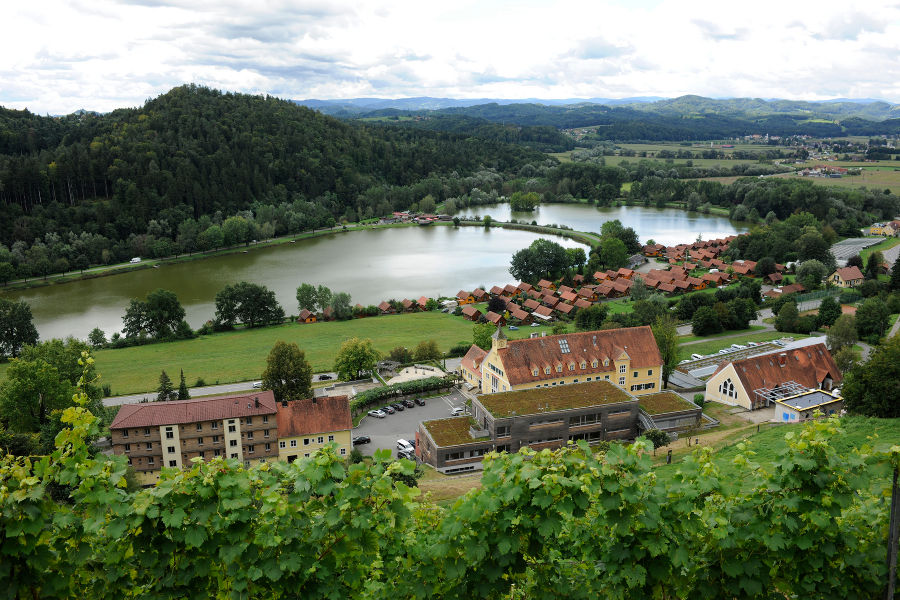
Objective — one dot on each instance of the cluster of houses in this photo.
(410, 217)
(823, 171)
(886, 229)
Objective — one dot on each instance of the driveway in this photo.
(403, 425)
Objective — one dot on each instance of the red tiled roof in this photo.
(521, 357)
(462, 295)
(304, 314)
(564, 289)
(510, 289)
(543, 311)
(518, 313)
(531, 304)
(423, 301)
(568, 296)
(543, 283)
(525, 286)
(849, 273)
(493, 317)
(496, 290)
(472, 360)
(154, 414)
(479, 294)
(470, 311)
(808, 366)
(384, 306)
(318, 415)
(564, 308)
(581, 303)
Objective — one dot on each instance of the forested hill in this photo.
(195, 151)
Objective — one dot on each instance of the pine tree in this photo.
(165, 389)
(895, 274)
(183, 393)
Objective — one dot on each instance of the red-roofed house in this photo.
(494, 318)
(480, 295)
(546, 285)
(385, 307)
(471, 313)
(464, 297)
(752, 382)
(306, 316)
(846, 277)
(305, 426)
(470, 367)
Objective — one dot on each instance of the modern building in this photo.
(538, 418)
(670, 412)
(154, 435)
(305, 426)
(759, 381)
(628, 358)
(802, 406)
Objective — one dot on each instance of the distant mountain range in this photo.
(835, 109)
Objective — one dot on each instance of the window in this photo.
(649, 372)
(148, 445)
(246, 464)
(571, 366)
(588, 379)
(594, 364)
(150, 461)
(503, 448)
(621, 368)
(583, 364)
(268, 447)
(454, 456)
(124, 433)
(534, 372)
(199, 426)
(546, 370)
(232, 428)
(217, 452)
(293, 443)
(234, 455)
(170, 449)
(606, 377)
(605, 362)
(306, 441)
(634, 374)
(173, 463)
(306, 455)
(559, 368)
(343, 451)
(129, 461)
(169, 433)
(621, 381)
(127, 447)
(249, 435)
(251, 449)
(282, 444)
(727, 388)
(214, 425)
(265, 433)
(248, 421)
(330, 438)
(146, 431)
(321, 439)
(215, 439)
(580, 420)
(232, 443)
(564, 346)
(202, 454)
(199, 441)
(265, 418)
(502, 431)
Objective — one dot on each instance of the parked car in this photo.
(377, 413)
(738, 347)
(751, 344)
(687, 360)
(696, 356)
(724, 351)
(535, 324)
(257, 385)
(457, 410)
(513, 328)
(420, 402)
(405, 446)
(324, 377)
(388, 409)
(409, 403)
(361, 439)
(406, 454)
(398, 406)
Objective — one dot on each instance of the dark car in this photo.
(405, 454)
(420, 402)
(324, 377)
(408, 403)
(397, 406)
(389, 410)
(361, 439)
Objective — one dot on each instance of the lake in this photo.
(669, 226)
(372, 265)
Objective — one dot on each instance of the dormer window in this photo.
(559, 368)
(583, 364)
(546, 370)
(605, 362)
(571, 366)
(535, 372)
(594, 364)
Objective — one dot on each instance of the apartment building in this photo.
(154, 435)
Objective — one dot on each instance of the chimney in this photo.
(782, 358)
(256, 401)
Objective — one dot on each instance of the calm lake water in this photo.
(667, 226)
(371, 265)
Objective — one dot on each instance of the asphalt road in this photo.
(209, 390)
(403, 425)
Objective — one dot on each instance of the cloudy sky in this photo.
(57, 56)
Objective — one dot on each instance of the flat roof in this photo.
(809, 399)
(548, 399)
(665, 402)
(452, 431)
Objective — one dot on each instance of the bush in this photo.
(459, 349)
(355, 456)
(807, 324)
(107, 390)
(699, 400)
(199, 382)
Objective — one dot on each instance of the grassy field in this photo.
(879, 179)
(715, 345)
(241, 355)
(694, 338)
(887, 244)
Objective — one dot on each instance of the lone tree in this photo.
(787, 318)
(658, 438)
(829, 311)
(165, 391)
(16, 327)
(183, 393)
(248, 303)
(666, 334)
(287, 373)
(355, 357)
(158, 316)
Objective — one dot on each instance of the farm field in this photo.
(878, 179)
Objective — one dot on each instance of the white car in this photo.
(377, 413)
(457, 410)
(405, 446)
(696, 356)
(257, 385)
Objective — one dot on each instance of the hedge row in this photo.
(379, 395)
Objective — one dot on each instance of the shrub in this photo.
(699, 400)
(377, 396)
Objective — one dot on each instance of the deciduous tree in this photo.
(16, 327)
(481, 334)
(287, 372)
(666, 334)
(842, 333)
(872, 388)
(355, 357)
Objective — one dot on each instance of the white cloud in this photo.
(60, 55)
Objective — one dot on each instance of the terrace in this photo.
(452, 432)
(542, 400)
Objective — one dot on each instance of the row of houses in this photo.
(252, 428)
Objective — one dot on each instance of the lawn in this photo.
(879, 179)
(241, 355)
(695, 338)
(887, 244)
(715, 345)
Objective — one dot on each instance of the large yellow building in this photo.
(628, 358)
(305, 426)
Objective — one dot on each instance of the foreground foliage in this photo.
(563, 524)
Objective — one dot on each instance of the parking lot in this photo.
(403, 425)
